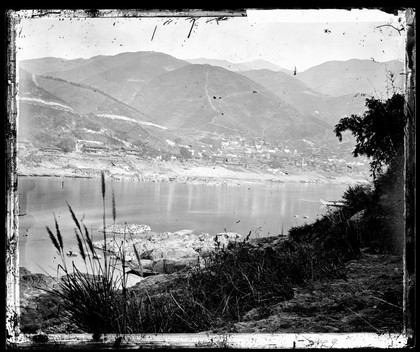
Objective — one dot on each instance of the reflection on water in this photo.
(271, 209)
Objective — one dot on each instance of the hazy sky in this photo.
(301, 38)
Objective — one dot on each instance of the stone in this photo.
(147, 263)
(169, 266)
(172, 253)
(129, 229)
(225, 237)
(183, 232)
(177, 246)
(253, 314)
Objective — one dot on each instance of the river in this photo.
(264, 209)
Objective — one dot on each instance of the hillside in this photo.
(53, 110)
(306, 100)
(163, 90)
(167, 98)
(337, 78)
(217, 100)
(44, 65)
(119, 75)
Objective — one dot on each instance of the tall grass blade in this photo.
(80, 244)
(247, 237)
(59, 237)
(74, 217)
(103, 184)
(64, 268)
(89, 240)
(138, 260)
(104, 229)
(53, 240)
(114, 211)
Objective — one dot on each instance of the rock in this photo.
(183, 232)
(147, 263)
(129, 229)
(225, 237)
(172, 253)
(169, 266)
(177, 246)
(253, 314)
(146, 255)
(143, 272)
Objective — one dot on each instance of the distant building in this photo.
(220, 159)
(117, 150)
(253, 164)
(50, 150)
(133, 151)
(236, 162)
(281, 157)
(91, 148)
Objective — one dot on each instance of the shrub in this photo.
(239, 278)
(331, 234)
(244, 276)
(358, 198)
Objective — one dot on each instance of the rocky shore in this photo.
(163, 253)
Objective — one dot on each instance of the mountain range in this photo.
(308, 101)
(150, 97)
(336, 78)
(242, 66)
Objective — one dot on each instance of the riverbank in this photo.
(310, 281)
(324, 277)
(131, 168)
(369, 299)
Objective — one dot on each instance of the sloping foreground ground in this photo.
(369, 299)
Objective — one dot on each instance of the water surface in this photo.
(263, 209)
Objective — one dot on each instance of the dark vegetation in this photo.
(251, 274)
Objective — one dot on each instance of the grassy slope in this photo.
(369, 299)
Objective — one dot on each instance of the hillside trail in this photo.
(206, 89)
(219, 113)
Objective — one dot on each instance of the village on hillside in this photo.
(234, 151)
